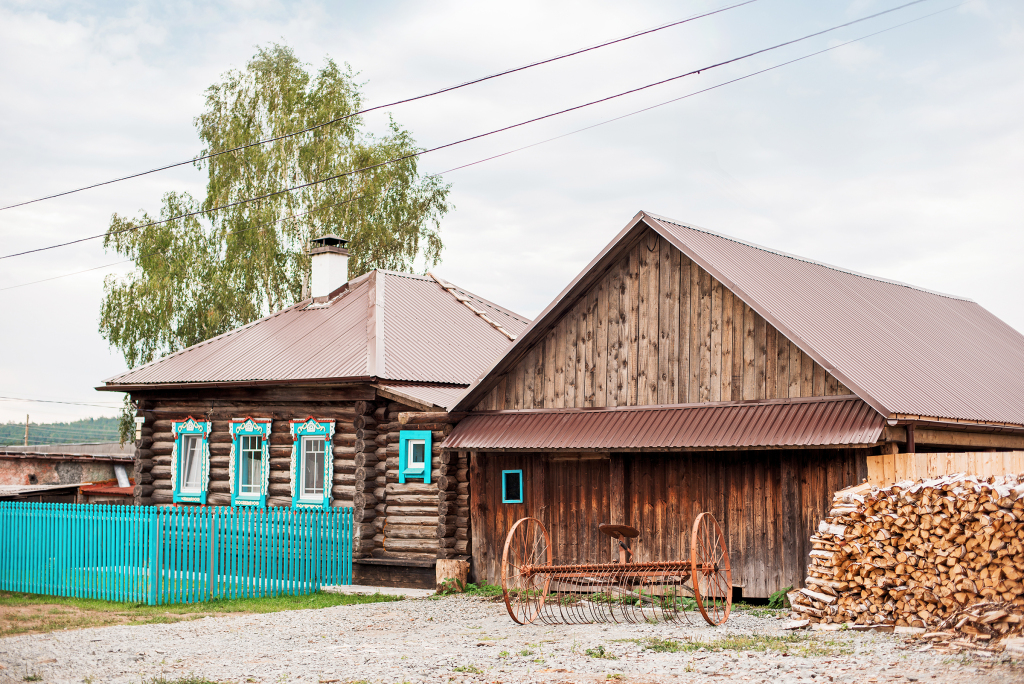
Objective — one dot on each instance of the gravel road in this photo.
(468, 639)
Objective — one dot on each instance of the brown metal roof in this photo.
(443, 396)
(906, 351)
(824, 421)
(385, 325)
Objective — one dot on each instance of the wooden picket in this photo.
(164, 555)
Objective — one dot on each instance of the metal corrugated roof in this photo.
(903, 349)
(433, 395)
(906, 351)
(824, 421)
(386, 325)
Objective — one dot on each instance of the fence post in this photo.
(154, 545)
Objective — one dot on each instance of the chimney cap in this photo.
(330, 240)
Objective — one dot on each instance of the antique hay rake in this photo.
(626, 591)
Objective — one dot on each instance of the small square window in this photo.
(414, 450)
(512, 486)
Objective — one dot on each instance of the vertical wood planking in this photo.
(694, 334)
(818, 381)
(806, 375)
(749, 346)
(645, 309)
(569, 363)
(633, 324)
(782, 366)
(715, 379)
(727, 344)
(668, 324)
(601, 343)
(760, 356)
(590, 345)
(738, 337)
(771, 363)
(683, 343)
(705, 336)
(794, 370)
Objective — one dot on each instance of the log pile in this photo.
(944, 554)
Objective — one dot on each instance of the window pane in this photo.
(190, 464)
(417, 448)
(314, 451)
(252, 453)
(513, 487)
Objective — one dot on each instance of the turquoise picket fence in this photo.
(162, 555)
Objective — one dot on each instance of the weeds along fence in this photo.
(159, 555)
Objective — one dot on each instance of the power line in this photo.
(53, 401)
(585, 128)
(447, 89)
(161, 251)
(420, 153)
(703, 90)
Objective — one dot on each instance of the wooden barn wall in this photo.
(767, 502)
(658, 329)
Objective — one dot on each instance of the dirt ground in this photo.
(471, 639)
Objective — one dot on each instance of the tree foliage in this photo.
(197, 277)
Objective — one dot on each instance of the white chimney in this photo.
(330, 265)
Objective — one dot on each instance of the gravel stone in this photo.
(448, 639)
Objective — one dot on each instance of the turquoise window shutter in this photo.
(301, 429)
(259, 430)
(512, 486)
(187, 433)
(407, 469)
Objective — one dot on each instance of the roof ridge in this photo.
(449, 288)
(806, 260)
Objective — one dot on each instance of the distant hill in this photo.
(85, 430)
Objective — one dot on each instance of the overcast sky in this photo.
(900, 156)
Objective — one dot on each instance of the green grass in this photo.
(600, 652)
(21, 613)
(190, 679)
(472, 669)
(794, 644)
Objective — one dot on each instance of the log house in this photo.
(350, 367)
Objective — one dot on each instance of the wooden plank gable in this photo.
(656, 328)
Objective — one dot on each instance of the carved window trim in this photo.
(300, 429)
(190, 427)
(249, 427)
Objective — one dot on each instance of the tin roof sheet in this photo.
(444, 396)
(386, 325)
(904, 350)
(826, 421)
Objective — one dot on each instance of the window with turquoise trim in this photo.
(249, 465)
(511, 486)
(414, 448)
(312, 462)
(190, 460)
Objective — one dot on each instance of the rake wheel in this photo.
(711, 572)
(526, 546)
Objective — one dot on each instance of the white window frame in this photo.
(304, 495)
(191, 454)
(255, 485)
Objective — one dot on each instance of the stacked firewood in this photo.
(940, 554)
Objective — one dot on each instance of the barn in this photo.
(685, 371)
(306, 409)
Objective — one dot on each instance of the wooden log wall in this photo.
(153, 458)
(658, 329)
(767, 502)
(411, 511)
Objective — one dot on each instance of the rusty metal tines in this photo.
(535, 589)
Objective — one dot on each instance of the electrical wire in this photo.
(579, 130)
(161, 251)
(54, 401)
(703, 90)
(475, 137)
(447, 89)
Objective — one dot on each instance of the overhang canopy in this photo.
(779, 423)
